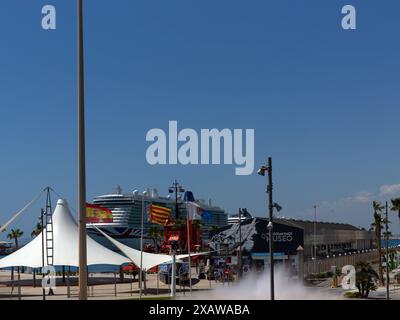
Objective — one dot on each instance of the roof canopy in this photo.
(65, 246)
(150, 260)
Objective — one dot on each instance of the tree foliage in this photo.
(366, 279)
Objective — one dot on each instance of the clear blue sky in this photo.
(324, 102)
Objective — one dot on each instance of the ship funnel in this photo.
(118, 189)
(154, 193)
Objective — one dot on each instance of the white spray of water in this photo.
(256, 287)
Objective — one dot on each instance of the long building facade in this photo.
(332, 238)
(326, 237)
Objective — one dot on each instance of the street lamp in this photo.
(315, 239)
(271, 205)
(174, 249)
(176, 188)
(240, 260)
(387, 250)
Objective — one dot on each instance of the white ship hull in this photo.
(129, 237)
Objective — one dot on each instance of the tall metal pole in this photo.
(387, 253)
(173, 274)
(315, 240)
(81, 161)
(176, 188)
(188, 245)
(176, 200)
(141, 246)
(240, 262)
(271, 222)
(42, 222)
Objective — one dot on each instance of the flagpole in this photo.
(188, 242)
(81, 161)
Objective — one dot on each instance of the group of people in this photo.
(224, 274)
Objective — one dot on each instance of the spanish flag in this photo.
(97, 214)
(159, 215)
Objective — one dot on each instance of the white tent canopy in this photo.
(150, 260)
(65, 234)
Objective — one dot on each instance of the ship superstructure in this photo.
(127, 214)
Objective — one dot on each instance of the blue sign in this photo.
(266, 254)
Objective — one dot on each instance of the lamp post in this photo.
(174, 248)
(189, 247)
(240, 262)
(270, 227)
(387, 251)
(315, 239)
(176, 188)
(81, 161)
(141, 245)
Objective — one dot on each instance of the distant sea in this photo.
(392, 243)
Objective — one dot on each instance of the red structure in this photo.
(179, 233)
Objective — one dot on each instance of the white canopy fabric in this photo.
(65, 234)
(150, 260)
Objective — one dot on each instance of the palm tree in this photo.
(366, 278)
(15, 234)
(396, 205)
(378, 235)
(155, 234)
(387, 234)
(392, 260)
(37, 230)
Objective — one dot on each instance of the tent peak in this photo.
(62, 202)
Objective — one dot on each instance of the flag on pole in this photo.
(159, 214)
(97, 214)
(195, 211)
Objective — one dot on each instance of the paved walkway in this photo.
(101, 287)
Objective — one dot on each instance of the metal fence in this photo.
(325, 265)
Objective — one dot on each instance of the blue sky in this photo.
(323, 101)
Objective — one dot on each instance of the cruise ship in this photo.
(244, 215)
(127, 213)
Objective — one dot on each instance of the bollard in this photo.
(34, 278)
(300, 259)
(19, 283)
(115, 283)
(158, 280)
(68, 285)
(131, 283)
